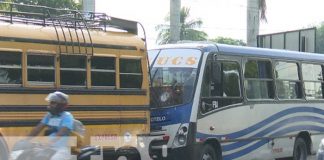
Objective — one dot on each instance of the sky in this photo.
(226, 18)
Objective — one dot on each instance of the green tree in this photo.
(64, 4)
(188, 30)
(231, 41)
(4, 6)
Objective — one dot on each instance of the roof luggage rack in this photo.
(66, 20)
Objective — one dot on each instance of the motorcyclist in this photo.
(59, 123)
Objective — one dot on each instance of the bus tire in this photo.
(207, 153)
(133, 157)
(300, 149)
(3, 149)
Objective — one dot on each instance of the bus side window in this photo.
(231, 79)
(73, 70)
(313, 81)
(103, 71)
(206, 84)
(287, 80)
(206, 89)
(227, 81)
(216, 79)
(258, 79)
(131, 74)
(41, 69)
(222, 86)
(10, 68)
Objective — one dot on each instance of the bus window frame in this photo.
(103, 70)
(74, 69)
(218, 57)
(272, 79)
(237, 61)
(302, 98)
(37, 83)
(303, 80)
(15, 51)
(125, 57)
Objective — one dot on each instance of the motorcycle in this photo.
(28, 150)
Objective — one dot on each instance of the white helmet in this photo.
(57, 97)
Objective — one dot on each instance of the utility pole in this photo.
(175, 7)
(88, 5)
(253, 22)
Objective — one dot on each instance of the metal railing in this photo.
(66, 23)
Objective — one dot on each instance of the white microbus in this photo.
(215, 102)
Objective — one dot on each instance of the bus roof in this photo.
(68, 28)
(48, 16)
(48, 34)
(248, 51)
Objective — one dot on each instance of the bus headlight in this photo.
(182, 140)
(181, 136)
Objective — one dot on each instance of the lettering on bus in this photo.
(177, 60)
(158, 119)
(106, 137)
(277, 150)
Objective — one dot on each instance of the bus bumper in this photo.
(144, 141)
(163, 153)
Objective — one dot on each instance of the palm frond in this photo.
(263, 9)
(184, 14)
(161, 26)
(192, 34)
(197, 23)
(187, 29)
(163, 36)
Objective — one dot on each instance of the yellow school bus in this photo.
(98, 60)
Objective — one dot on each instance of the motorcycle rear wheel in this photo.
(4, 153)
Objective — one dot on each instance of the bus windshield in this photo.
(174, 76)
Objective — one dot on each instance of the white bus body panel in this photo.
(260, 121)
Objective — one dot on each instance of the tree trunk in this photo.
(88, 5)
(253, 22)
(175, 7)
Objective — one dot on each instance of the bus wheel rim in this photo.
(207, 156)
